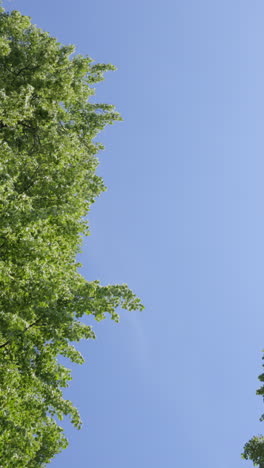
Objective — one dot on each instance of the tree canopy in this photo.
(47, 182)
(254, 448)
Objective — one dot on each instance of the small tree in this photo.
(48, 182)
(254, 448)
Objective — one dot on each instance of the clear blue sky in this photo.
(182, 223)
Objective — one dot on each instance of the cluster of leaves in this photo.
(254, 448)
(47, 183)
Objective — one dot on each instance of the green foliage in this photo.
(47, 184)
(254, 448)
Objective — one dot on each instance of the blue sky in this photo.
(182, 223)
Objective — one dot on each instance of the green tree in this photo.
(47, 184)
(254, 448)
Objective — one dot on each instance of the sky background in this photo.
(182, 223)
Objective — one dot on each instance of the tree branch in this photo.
(24, 331)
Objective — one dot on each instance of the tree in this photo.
(254, 448)
(47, 184)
